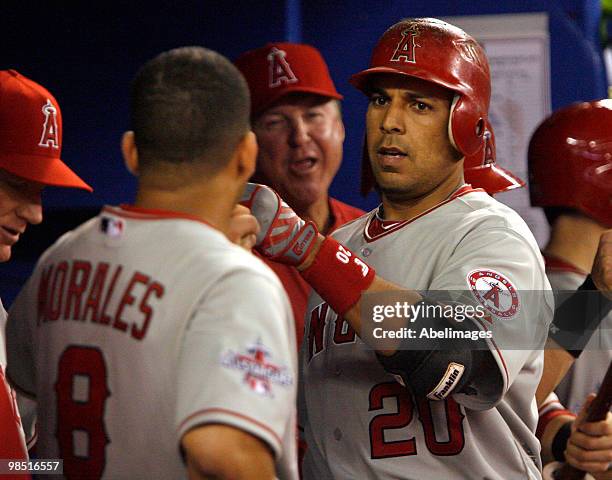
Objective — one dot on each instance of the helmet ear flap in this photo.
(481, 171)
(485, 155)
(367, 176)
(466, 127)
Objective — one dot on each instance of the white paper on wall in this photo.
(517, 46)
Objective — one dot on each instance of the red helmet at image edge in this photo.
(570, 160)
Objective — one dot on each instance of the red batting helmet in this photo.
(570, 160)
(441, 53)
(481, 171)
(435, 51)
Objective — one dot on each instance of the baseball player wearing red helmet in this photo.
(143, 333)
(295, 110)
(30, 149)
(391, 411)
(570, 176)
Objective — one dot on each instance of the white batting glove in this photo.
(284, 237)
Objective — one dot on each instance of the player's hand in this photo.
(589, 448)
(284, 237)
(243, 228)
(602, 266)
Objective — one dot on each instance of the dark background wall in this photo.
(86, 53)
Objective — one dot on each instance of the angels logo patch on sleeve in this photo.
(494, 291)
(259, 371)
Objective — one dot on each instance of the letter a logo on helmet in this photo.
(405, 50)
(50, 131)
(279, 68)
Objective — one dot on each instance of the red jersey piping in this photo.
(139, 213)
(462, 191)
(559, 265)
(234, 414)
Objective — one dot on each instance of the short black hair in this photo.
(553, 213)
(189, 105)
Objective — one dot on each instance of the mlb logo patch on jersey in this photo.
(495, 292)
(259, 372)
(113, 227)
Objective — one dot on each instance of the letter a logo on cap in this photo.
(280, 70)
(405, 49)
(49, 137)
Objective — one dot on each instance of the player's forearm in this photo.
(338, 275)
(222, 452)
(557, 362)
(549, 434)
(602, 266)
(320, 282)
(238, 469)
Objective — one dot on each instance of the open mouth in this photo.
(390, 159)
(10, 234)
(302, 165)
(391, 152)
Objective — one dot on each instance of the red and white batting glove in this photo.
(336, 273)
(284, 237)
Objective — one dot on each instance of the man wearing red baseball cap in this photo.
(30, 148)
(297, 120)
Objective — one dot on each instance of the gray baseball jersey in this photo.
(141, 325)
(360, 423)
(587, 372)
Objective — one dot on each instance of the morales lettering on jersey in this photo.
(77, 290)
(260, 372)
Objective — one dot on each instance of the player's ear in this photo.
(342, 130)
(246, 156)
(130, 152)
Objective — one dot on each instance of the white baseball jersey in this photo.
(361, 423)
(141, 325)
(587, 372)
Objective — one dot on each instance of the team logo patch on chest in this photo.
(259, 372)
(495, 292)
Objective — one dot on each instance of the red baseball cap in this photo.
(31, 133)
(281, 68)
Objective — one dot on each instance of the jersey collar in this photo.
(140, 213)
(377, 227)
(556, 264)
